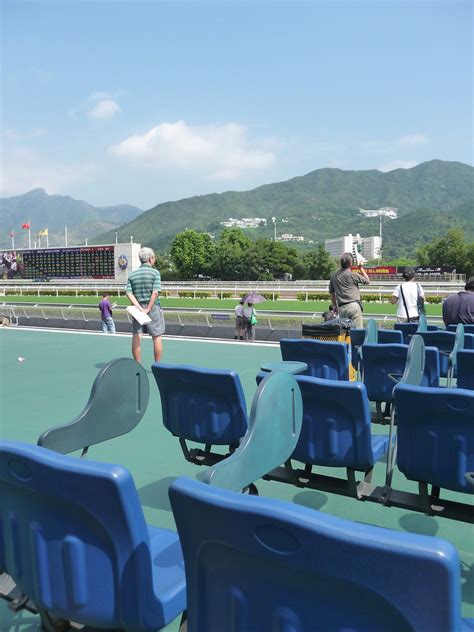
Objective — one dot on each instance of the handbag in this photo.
(253, 319)
(420, 301)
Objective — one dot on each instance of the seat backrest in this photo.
(380, 362)
(203, 405)
(465, 368)
(118, 401)
(274, 428)
(407, 329)
(383, 361)
(468, 340)
(357, 339)
(255, 563)
(370, 332)
(415, 362)
(468, 329)
(444, 341)
(74, 536)
(328, 360)
(435, 435)
(336, 424)
(389, 336)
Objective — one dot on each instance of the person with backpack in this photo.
(409, 298)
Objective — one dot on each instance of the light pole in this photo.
(274, 220)
(384, 211)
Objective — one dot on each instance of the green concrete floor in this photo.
(53, 384)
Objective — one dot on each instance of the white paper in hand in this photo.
(138, 315)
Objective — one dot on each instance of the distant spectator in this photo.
(459, 308)
(408, 296)
(250, 319)
(329, 314)
(107, 322)
(239, 321)
(143, 290)
(345, 293)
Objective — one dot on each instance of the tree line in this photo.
(236, 257)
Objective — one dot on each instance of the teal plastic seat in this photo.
(117, 403)
(274, 429)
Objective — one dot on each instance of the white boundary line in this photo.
(165, 337)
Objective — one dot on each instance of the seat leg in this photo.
(183, 625)
(48, 624)
(425, 499)
(352, 482)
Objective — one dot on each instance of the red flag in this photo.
(26, 225)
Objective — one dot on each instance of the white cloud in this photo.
(219, 151)
(398, 164)
(413, 140)
(25, 169)
(104, 109)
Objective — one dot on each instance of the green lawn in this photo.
(210, 303)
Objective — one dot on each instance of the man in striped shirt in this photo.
(143, 289)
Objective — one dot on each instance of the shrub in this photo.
(317, 296)
(225, 295)
(271, 296)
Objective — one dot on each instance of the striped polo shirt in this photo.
(143, 281)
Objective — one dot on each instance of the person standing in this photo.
(143, 290)
(107, 322)
(408, 296)
(459, 308)
(239, 321)
(344, 291)
(250, 320)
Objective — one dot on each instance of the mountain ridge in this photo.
(324, 204)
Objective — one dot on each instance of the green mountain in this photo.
(56, 211)
(325, 203)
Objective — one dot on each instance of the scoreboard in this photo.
(95, 262)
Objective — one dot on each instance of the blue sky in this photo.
(142, 102)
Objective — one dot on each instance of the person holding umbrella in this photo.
(250, 315)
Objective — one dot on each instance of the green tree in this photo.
(231, 258)
(192, 253)
(319, 264)
(451, 250)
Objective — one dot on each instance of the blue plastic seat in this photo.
(76, 542)
(383, 336)
(409, 329)
(202, 405)
(385, 364)
(258, 564)
(465, 367)
(448, 343)
(335, 432)
(328, 360)
(117, 403)
(435, 439)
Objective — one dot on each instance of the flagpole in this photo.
(65, 236)
(39, 240)
(29, 234)
(47, 238)
(12, 235)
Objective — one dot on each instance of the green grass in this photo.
(210, 303)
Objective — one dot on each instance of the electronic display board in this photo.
(96, 262)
